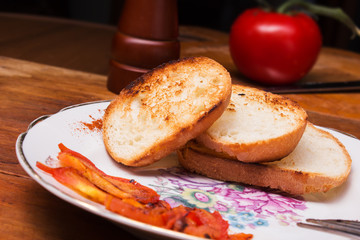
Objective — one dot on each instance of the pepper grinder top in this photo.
(150, 19)
(147, 36)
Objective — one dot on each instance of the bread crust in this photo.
(265, 149)
(179, 133)
(200, 160)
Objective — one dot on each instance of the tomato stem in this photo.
(265, 5)
(336, 13)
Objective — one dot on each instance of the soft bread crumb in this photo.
(317, 152)
(265, 116)
(257, 126)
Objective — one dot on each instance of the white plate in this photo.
(266, 215)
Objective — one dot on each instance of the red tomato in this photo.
(274, 48)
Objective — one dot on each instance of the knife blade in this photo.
(317, 87)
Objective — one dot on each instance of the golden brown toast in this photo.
(257, 126)
(318, 163)
(163, 109)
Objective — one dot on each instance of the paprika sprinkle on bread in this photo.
(257, 126)
(163, 109)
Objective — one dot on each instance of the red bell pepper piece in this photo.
(148, 213)
(120, 187)
(71, 178)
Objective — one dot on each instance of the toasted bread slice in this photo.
(257, 126)
(163, 109)
(318, 163)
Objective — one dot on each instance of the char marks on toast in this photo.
(163, 109)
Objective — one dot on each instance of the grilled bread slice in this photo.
(163, 109)
(257, 126)
(318, 163)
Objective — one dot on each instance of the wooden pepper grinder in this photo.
(147, 36)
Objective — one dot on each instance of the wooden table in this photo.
(65, 63)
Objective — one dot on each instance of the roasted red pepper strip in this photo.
(120, 187)
(150, 213)
(197, 222)
(212, 225)
(71, 178)
(240, 236)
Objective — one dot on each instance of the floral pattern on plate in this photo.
(243, 207)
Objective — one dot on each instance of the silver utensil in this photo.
(351, 227)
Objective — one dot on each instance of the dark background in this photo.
(215, 14)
